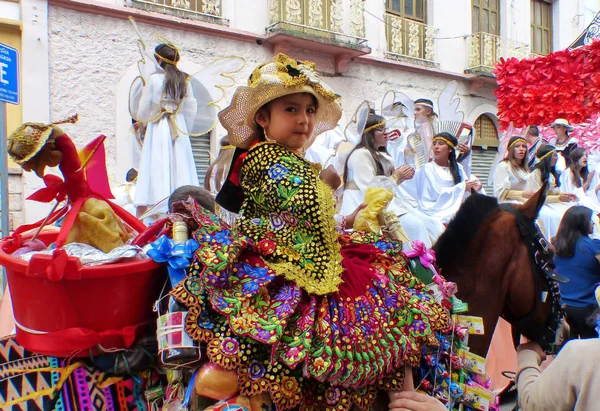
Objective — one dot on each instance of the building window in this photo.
(410, 9)
(485, 16)
(541, 27)
(204, 10)
(486, 134)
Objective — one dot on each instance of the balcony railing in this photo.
(410, 40)
(204, 10)
(486, 49)
(319, 19)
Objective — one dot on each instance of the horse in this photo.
(484, 250)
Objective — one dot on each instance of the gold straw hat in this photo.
(29, 138)
(282, 77)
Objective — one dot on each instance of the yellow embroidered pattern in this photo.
(286, 203)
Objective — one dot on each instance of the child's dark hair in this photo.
(545, 166)
(203, 197)
(175, 84)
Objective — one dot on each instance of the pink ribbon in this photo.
(427, 258)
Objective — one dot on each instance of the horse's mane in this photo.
(463, 227)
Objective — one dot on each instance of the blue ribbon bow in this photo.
(176, 255)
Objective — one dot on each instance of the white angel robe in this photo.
(561, 162)
(361, 172)
(509, 183)
(167, 160)
(553, 210)
(434, 189)
(587, 198)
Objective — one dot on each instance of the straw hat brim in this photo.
(18, 141)
(568, 127)
(238, 118)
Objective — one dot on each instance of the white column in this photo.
(35, 87)
(452, 21)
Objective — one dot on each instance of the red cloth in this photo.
(358, 271)
(70, 166)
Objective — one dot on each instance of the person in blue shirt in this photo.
(578, 258)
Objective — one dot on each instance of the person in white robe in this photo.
(585, 185)
(441, 185)
(563, 143)
(167, 161)
(369, 160)
(557, 203)
(576, 179)
(511, 174)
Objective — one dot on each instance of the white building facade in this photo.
(79, 56)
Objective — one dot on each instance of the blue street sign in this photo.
(9, 74)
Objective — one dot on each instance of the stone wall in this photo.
(92, 59)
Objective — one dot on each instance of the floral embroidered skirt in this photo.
(309, 351)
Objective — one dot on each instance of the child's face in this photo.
(289, 120)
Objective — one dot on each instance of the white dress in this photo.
(561, 163)
(553, 209)
(509, 183)
(436, 194)
(166, 162)
(585, 198)
(361, 172)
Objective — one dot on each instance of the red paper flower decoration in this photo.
(564, 84)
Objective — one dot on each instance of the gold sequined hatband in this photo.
(373, 127)
(517, 141)
(445, 140)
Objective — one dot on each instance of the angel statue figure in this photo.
(174, 106)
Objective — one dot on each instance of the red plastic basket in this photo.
(63, 309)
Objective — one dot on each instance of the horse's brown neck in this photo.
(492, 270)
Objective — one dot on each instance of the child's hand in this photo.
(352, 217)
(330, 177)
(413, 401)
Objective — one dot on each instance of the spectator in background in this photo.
(578, 259)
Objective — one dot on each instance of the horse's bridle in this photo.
(546, 286)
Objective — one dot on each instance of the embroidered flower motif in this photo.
(332, 396)
(289, 218)
(257, 221)
(319, 364)
(289, 386)
(276, 221)
(296, 180)
(291, 253)
(229, 346)
(278, 172)
(266, 246)
(250, 286)
(205, 320)
(256, 370)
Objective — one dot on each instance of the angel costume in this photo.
(509, 183)
(587, 198)
(434, 189)
(167, 161)
(361, 171)
(553, 210)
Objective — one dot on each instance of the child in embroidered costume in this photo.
(314, 317)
